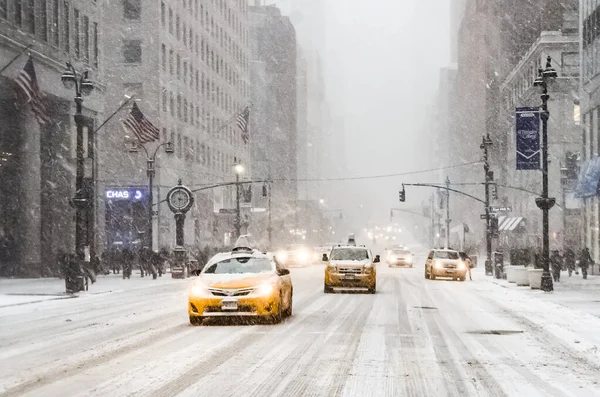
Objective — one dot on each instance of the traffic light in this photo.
(402, 195)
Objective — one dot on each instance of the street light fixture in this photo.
(239, 169)
(71, 79)
(545, 203)
(151, 173)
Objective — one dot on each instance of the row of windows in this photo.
(568, 67)
(57, 23)
(188, 112)
(192, 151)
(190, 40)
(591, 134)
(201, 14)
(208, 88)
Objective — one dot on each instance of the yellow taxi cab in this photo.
(445, 263)
(242, 283)
(350, 268)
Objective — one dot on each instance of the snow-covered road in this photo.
(415, 337)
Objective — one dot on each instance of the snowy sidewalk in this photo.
(572, 292)
(32, 290)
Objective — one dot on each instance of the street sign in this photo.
(500, 209)
(227, 211)
(483, 216)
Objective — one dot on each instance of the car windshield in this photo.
(446, 255)
(349, 254)
(240, 265)
(401, 252)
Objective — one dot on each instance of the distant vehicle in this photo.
(352, 240)
(445, 263)
(399, 257)
(351, 268)
(241, 283)
(295, 255)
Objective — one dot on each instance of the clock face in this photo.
(180, 199)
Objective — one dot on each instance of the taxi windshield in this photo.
(401, 252)
(349, 254)
(240, 265)
(446, 255)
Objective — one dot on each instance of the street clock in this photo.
(180, 199)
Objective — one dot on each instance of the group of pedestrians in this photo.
(148, 261)
(570, 261)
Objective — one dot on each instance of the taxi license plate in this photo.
(229, 304)
(349, 277)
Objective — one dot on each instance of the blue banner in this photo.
(528, 138)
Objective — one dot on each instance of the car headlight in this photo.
(330, 266)
(265, 289)
(199, 290)
(409, 259)
(462, 266)
(281, 256)
(438, 265)
(303, 256)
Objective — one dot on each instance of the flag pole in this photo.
(15, 58)
(114, 113)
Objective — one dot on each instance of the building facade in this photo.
(564, 140)
(274, 88)
(589, 17)
(38, 160)
(187, 64)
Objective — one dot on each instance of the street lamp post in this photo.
(239, 169)
(487, 142)
(72, 79)
(545, 203)
(448, 220)
(151, 173)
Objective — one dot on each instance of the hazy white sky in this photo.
(382, 62)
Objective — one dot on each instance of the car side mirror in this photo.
(377, 259)
(325, 258)
(283, 272)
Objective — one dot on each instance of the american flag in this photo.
(139, 125)
(29, 89)
(242, 123)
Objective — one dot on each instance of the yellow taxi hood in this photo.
(351, 263)
(233, 281)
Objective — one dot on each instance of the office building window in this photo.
(66, 28)
(95, 50)
(132, 51)
(132, 9)
(163, 12)
(134, 89)
(171, 104)
(170, 21)
(171, 62)
(18, 10)
(178, 106)
(4, 9)
(164, 100)
(43, 20)
(55, 25)
(76, 32)
(178, 66)
(86, 38)
(29, 16)
(177, 27)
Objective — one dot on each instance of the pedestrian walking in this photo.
(127, 259)
(585, 259)
(468, 262)
(569, 261)
(556, 264)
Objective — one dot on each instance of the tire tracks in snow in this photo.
(218, 358)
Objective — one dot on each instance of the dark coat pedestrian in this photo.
(585, 260)
(556, 265)
(569, 261)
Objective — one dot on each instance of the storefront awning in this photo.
(508, 224)
(589, 175)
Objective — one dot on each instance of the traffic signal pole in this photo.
(488, 224)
